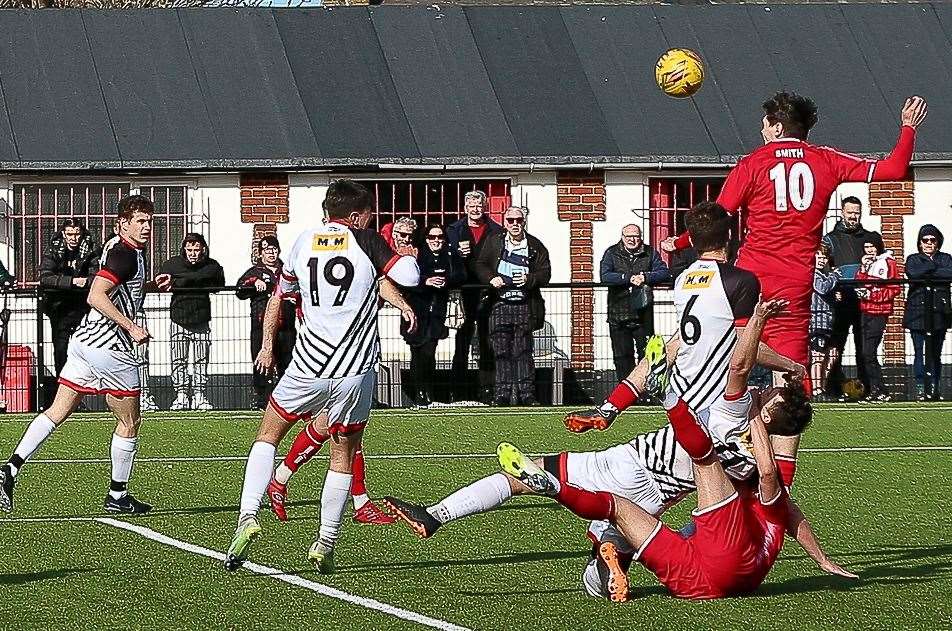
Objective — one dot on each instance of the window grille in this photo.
(433, 201)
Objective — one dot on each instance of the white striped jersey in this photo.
(711, 298)
(671, 468)
(336, 267)
(124, 264)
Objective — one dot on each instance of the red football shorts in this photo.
(729, 552)
(789, 332)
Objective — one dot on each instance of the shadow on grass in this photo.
(45, 575)
(507, 559)
(890, 565)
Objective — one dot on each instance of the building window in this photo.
(39, 209)
(433, 201)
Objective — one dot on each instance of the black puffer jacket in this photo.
(846, 245)
(929, 307)
(192, 310)
(259, 299)
(429, 303)
(59, 266)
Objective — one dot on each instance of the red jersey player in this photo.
(785, 189)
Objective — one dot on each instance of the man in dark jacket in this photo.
(466, 238)
(928, 309)
(845, 245)
(257, 284)
(631, 267)
(66, 270)
(191, 313)
(516, 265)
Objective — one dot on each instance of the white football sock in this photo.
(257, 475)
(35, 435)
(333, 500)
(123, 452)
(478, 497)
(360, 500)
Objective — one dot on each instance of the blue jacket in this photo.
(617, 267)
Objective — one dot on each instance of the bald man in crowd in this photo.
(631, 268)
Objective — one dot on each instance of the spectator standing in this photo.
(928, 310)
(876, 305)
(821, 320)
(516, 265)
(191, 314)
(257, 284)
(845, 244)
(66, 272)
(631, 267)
(467, 237)
(440, 270)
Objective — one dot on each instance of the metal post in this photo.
(40, 360)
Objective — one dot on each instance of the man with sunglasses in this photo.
(516, 265)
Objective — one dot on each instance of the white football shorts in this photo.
(93, 370)
(347, 399)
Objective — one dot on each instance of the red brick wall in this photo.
(264, 198)
(581, 200)
(892, 201)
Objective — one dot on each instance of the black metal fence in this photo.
(564, 374)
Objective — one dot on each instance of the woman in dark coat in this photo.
(440, 271)
(928, 309)
(257, 284)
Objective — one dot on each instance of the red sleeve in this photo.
(683, 241)
(733, 195)
(896, 164)
(787, 467)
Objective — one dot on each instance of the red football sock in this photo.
(689, 433)
(587, 504)
(623, 396)
(357, 485)
(305, 446)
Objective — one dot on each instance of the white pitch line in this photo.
(469, 456)
(291, 579)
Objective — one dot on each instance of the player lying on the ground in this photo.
(336, 267)
(101, 358)
(785, 189)
(737, 529)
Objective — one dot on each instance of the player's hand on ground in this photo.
(163, 282)
(410, 318)
(139, 335)
(770, 308)
(264, 362)
(914, 111)
(668, 245)
(836, 570)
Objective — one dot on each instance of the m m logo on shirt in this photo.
(698, 280)
(325, 242)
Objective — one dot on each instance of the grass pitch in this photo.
(883, 513)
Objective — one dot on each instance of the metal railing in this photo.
(573, 363)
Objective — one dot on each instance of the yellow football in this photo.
(680, 72)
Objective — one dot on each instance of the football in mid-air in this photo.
(679, 72)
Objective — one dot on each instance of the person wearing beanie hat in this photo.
(257, 284)
(928, 309)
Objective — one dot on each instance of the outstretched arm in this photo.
(390, 293)
(800, 529)
(744, 357)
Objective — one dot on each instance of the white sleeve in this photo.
(404, 271)
(288, 280)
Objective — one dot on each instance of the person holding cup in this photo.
(440, 270)
(516, 265)
(466, 239)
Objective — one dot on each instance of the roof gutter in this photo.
(535, 166)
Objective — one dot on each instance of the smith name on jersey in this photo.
(122, 263)
(336, 268)
(711, 299)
